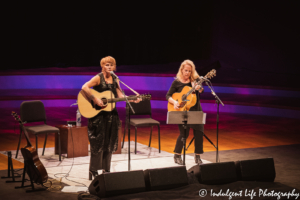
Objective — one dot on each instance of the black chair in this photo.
(34, 111)
(142, 108)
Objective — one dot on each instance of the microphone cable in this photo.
(68, 173)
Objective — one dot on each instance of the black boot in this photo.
(92, 174)
(198, 159)
(177, 159)
(105, 171)
(106, 162)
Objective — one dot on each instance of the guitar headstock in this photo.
(145, 97)
(16, 117)
(211, 74)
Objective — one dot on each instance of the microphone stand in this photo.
(127, 121)
(218, 101)
(185, 118)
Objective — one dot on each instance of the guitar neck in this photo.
(193, 88)
(17, 118)
(26, 135)
(121, 99)
(189, 92)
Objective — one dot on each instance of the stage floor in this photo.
(285, 159)
(78, 168)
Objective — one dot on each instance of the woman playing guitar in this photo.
(187, 76)
(103, 128)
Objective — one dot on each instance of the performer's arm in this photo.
(86, 88)
(198, 87)
(169, 98)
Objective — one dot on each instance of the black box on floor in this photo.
(215, 173)
(256, 170)
(117, 183)
(165, 178)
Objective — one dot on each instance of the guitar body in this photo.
(184, 105)
(35, 168)
(186, 98)
(86, 107)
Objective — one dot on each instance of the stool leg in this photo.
(20, 138)
(158, 127)
(45, 143)
(150, 136)
(124, 135)
(135, 139)
(36, 144)
(59, 146)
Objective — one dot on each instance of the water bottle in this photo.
(78, 118)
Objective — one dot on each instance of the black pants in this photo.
(101, 160)
(198, 140)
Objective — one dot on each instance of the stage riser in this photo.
(135, 82)
(207, 107)
(17, 85)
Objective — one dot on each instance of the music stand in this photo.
(185, 118)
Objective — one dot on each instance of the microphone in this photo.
(73, 104)
(205, 79)
(113, 74)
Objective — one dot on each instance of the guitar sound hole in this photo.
(104, 102)
(182, 104)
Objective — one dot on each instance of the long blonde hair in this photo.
(194, 74)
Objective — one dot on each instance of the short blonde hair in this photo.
(194, 74)
(108, 59)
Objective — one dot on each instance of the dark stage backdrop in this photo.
(262, 36)
(146, 32)
(243, 34)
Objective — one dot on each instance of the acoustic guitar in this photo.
(35, 168)
(88, 109)
(186, 98)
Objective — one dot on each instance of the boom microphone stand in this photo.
(218, 101)
(127, 122)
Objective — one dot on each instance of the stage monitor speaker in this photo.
(117, 183)
(215, 173)
(256, 170)
(165, 178)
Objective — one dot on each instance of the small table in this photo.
(80, 140)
